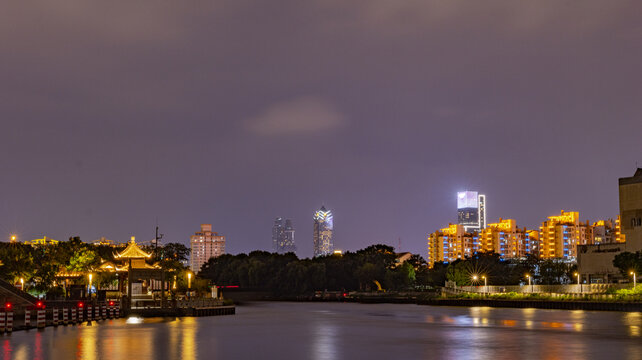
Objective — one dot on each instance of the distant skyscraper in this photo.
(323, 231)
(471, 210)
(283, 236)
(205, 245)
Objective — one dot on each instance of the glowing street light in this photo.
(578, 280)
(13, 238)
(485, 280)
(89, 290)
(634, 280)
(189, 280)
(529, 281)
(22, 284)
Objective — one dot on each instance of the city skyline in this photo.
(380, 111)
(15, 236)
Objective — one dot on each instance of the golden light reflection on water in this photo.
(189, 327)
(87, 343)
(634, 322)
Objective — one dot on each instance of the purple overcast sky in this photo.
(116, 114)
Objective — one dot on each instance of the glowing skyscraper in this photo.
(323, 231)
(471, 210)
(283, 236)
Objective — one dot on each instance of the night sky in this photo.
(118, 115)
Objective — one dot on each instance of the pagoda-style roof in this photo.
(109, 266)
(132, 251)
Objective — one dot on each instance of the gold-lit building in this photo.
(506, 239)
(44, 241)
(450, 244)
(560, 235)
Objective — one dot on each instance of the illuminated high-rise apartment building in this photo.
(205, 244)
(560, 235)
(283, 236)
(323, 232)
(451, 243)
(471, 210)
(507, 240)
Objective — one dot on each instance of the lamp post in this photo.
(13, 238)
(89, 289)
(22, 284)
(485, 283)
(578, 280)
(529, 281)
(634, 280)
(189, 280)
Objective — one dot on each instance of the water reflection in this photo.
(634, 321)
(344, 331)
(189, 338)
(324, 340)
(87, 344)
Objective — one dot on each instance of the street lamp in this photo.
(634, 281)
(485, 283)
(529, 281)
(22, 284)
(578, 280)
(89, 290)
(13, 238)
(189, 280)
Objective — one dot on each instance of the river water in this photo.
(344, 331)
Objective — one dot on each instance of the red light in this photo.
(40, 305)
(8, 306)
(111, 303)
(344, 294)
(81, 304)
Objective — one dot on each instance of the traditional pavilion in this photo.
(133, 263)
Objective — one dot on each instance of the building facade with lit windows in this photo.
(506, 239)
(323, 232)
(471, 210)
(205, 244)
(631, 210)
(595, 262)
(283, 236)
(451, 243)
(560, 235)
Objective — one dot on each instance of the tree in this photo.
(83, 260)
(627, 262)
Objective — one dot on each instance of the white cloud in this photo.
(296, 116)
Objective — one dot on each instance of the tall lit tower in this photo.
(323, 231)
(283, 236)
(205, 244)
(471, 210)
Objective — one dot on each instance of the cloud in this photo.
(298, 116)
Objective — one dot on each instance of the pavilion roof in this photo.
(132, 251)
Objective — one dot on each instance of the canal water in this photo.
(344, 331)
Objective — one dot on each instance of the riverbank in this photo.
(537, 304)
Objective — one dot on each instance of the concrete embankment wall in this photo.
(538, 304)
